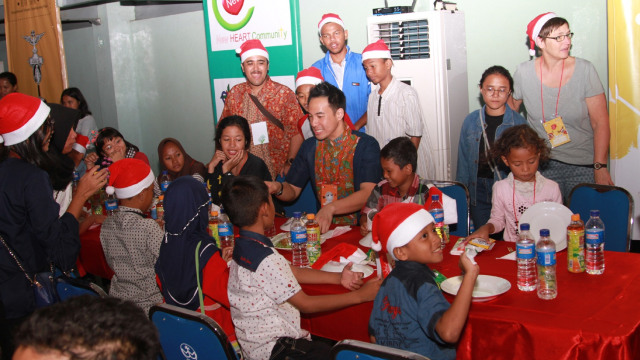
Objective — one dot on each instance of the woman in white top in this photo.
(561, 90)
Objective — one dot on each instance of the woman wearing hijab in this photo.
(185, 205)
(177, 162)
(64, 136)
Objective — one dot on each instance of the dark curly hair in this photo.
(87, 327)
(521, 136)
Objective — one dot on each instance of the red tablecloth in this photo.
(91, 258)
(592, 317)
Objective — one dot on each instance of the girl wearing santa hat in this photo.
(30, 226)
(565, 103)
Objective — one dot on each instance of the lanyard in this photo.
(559, 88)
(487, 147)
(513, 201)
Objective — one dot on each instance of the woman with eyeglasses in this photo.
(30, 225)
(565, 103)
(476, 169)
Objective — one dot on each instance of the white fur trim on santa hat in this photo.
(536, 30)
(19, 135)
(253, 52)
(376, 54)
(330, 18)
(409, 228)
(135, 189)
(79, 148)
(307, 80)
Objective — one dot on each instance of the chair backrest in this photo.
(460, 193)
(616, 211)
(186, 334)
(354, 349)
(69, 287)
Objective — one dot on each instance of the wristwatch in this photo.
(599, 166)
(281, 190)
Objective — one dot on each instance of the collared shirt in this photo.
(281, 102)
(338, 70)
(131, 247)
(384, 194)
(406, 310)
(397, 112)
(258, 299)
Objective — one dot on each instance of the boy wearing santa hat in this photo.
(410, 312)
(394, 109)
(264, 291)
(131, 242)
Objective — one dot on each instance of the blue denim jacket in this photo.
(468, 147)
(355, 84)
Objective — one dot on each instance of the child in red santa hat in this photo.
(410, 312)
(131, 242)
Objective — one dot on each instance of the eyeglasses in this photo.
(490, 90)
(560, 38)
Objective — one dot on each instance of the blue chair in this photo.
(186, 334)
(616, 211)
(69, 287)
(460, 193)
(354, 349)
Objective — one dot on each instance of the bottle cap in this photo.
(595, 213)
(311, 216)
(575, 217)
(297, 214)
(161, 197)
(214, 213)
(524, 227)
(544, 232)
(435, 197)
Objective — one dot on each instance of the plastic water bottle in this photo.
(437, 211)
(111, 202)
(76, 180)
(160, 208)
(575, 245)
(165, 181)
(225, 230)
(299, 241)
(314, 247)
(546, 252)
(526, 259)
(213, 226)
(594, 239)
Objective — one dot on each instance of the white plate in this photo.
(286, 235)
(487, 287)
(549, 215)
(334, 266)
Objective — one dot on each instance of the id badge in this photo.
(328, 193)
(259, 133)
(556, 131)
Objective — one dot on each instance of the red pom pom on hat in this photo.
(310, 76)
(81, 144)
(129, 177)
(20, 116)
(396, 225)
(251, 48)
(376, 50)
(534, 27)
(330, 18)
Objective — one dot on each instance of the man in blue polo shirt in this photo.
(342, 165)
(342, 68)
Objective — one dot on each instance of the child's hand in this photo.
(349, 279)
(482, 232)
(370, 289)
(227, 253)
(468, 267)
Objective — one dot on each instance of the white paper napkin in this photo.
(509, 256)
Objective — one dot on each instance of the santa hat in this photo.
(81, 144)
(396, 225)
(330, 18)
(533, 29)
(20, 116)
(310, 76)
(129, 177)
(251, 48)
(376, 50)
(342, 253)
